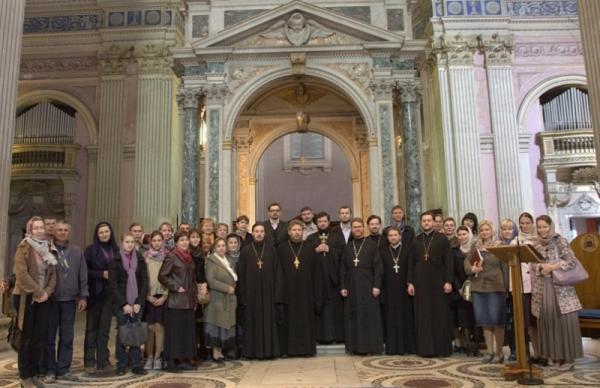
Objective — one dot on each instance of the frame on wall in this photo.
(306, 152)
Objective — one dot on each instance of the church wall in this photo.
(281, 186)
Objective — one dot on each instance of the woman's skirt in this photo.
(559, 335)
(180, 334)
(218, 337)
(154, 314)
(490, 308)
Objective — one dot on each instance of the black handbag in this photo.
(133, 333)
(14, 334)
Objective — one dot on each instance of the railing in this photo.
(568, 147)
(44, 159)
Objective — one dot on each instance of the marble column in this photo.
(154, 136)
(409, 92)
(589, 16)
(461, 81)
(189, 99)
(11, 28)
(382, 152)
(218, 180)
(113, 62)
(498, 65)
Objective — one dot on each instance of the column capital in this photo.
(382, 88)
(409, 91)
(457, 50)
(242, 142)
(497, 49)
(153, 60)
(114, 60)
(216, 93)
(189, 97)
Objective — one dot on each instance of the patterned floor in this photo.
(330, 370)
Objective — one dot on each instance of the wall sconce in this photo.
(302, 121)
(399, 142)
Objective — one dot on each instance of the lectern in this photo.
(514, 256)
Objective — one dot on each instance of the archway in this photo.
(271, 114)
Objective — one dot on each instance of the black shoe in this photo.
(138, 370)
(184, 366)
(172, 368)
(219, 360)
(121, 372)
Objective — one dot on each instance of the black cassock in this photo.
(302, 298)
(433, 320)
(260, 292)
(362, 310)
(399, 318)
(329, 322)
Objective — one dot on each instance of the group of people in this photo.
(279, 288)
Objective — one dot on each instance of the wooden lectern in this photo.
(514, 256)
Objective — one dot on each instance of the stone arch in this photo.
(37, 96)
(352, 91)
(541, 88)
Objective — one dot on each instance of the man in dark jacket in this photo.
(71, 293)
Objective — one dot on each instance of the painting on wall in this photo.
(304, 152)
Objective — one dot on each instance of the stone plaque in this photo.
(395, 19)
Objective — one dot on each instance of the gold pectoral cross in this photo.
(296, 262)
(355, 261)
(259, 263)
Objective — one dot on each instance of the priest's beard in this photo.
(296, 241)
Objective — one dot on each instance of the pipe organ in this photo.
(567, 110)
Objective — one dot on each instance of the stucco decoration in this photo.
(297, 30)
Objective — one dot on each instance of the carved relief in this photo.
(52, 65)
(497, 50)
(238, 76)
(113, 60)
(357, 72)
(548, 50)
(458, 49)
(153, 60)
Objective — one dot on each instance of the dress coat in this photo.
(221, 309)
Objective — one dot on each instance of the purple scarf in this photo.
(130, 265)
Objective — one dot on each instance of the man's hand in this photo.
(447, 288)
(4, 286)
(376, 292)
(136, 308)
(181, 290)
(322, 248)
(231, 290)
(127, 309)
(42, 298)
(411, 289)
(344, 292)
(105, 275)
(81, 305)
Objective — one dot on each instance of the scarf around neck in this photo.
(42, 248)
(227, 265)
(157, 256)
(130, 264)
(184, 255)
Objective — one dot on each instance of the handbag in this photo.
(465, 290)
(14, 327)
(203, 297)
(133, 333)
(570, 277)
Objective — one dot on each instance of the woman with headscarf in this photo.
(464, 318)
(489, 283)
(234, 247)
(34, 268)
(98, 257)
(199, 257)
(555, 307)
(128, 285)
(157, 296)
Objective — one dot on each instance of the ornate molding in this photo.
(63, 23)
(548, 50)
(409, 91)
(216, 93)
(56, 65)
(381, 88)
(189, 98)
(359, 73)
(113, 60)
(240, 75)
(458, 50)
(243, 142)
(153, 60)
(497, 50)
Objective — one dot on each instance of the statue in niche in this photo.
(297, 30)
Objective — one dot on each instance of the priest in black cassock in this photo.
(397, 304)
(329, 323)
(374, 226)
(302, 293)
(430, 272)
(261, 292)
(360, 275)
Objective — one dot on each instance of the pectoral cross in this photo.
(426, 256)
(296, 262)
(259, 263)
(355, 261)
(396, 267)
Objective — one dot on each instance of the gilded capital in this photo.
(497, 50)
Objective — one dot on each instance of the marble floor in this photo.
(327, 370)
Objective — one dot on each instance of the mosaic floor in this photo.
(328, 370)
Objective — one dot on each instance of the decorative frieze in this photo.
(63, 23)
(58, 65)
(548, 49)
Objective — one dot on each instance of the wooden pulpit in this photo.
(514, 256)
